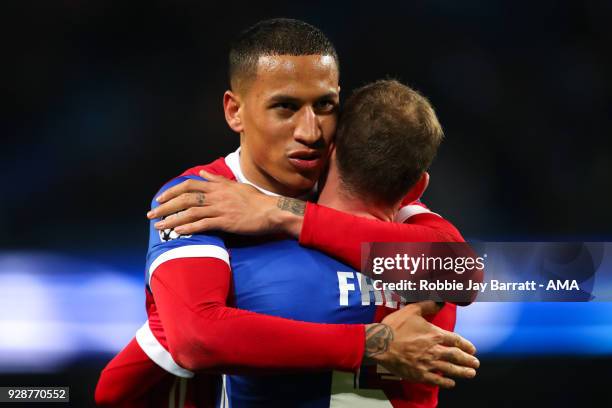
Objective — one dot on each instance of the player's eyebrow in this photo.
(292, 99)
(285, 99)
(328, 96)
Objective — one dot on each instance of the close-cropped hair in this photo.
(388, 135)
(279, 36)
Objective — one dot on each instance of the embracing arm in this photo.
(344, 240)
(204, 334)
(240, 208)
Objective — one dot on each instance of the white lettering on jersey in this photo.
(366, 287)
(389, 302)
(344, 286)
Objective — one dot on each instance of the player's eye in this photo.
(325, 106)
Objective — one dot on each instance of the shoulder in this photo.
(218, 167)
(417, 213)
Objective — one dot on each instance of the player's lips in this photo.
(305, 159)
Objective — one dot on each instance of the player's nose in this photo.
(308, 129)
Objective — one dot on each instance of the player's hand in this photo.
(414, 349)
(216, 204)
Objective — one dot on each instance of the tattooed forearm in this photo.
(378, 338)
(297, 207)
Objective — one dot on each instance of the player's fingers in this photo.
(184, 187)
(458, 357)
(451, 339)
(185, 217)
(453, 370)
(182, 202)
(437, 379)
(192, 228)
(206, 224)
(164, 210)
(212, 177)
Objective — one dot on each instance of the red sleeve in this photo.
(127, 379)
(204, 334)
(340, 234)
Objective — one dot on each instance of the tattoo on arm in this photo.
(378, 338)
(297, 207)
(200, 197)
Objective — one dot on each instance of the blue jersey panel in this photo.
(284, 279)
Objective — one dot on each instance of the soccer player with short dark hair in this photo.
(286, 116)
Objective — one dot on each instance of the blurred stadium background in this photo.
(107, 100)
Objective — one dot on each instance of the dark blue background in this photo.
(105, 101)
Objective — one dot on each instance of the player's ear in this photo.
(231, 106)
(419, 188)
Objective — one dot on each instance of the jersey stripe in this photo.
(410, 210)
(156, 352)
(189, 251)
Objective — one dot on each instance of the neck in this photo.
(263, 182)
(336, 196)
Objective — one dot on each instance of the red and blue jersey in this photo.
(191, 328)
